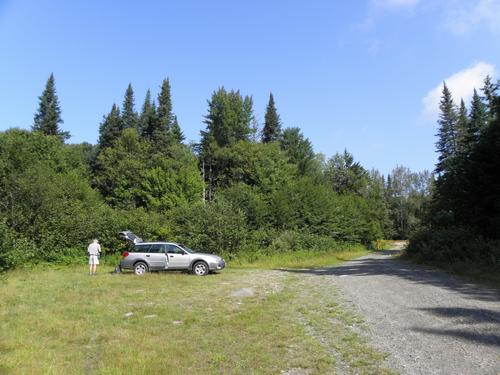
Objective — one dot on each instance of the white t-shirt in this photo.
(94, 249)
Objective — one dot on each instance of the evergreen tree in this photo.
(272, 123)
(478, 116)
(345, 175)
(129, 116)
(176, 131)
(489, 90)
(48, 116)
(447, 140)
(298, 148)
(163, 132)
(110, 128)
(148, 120)
(229, 118)
(463, 141)
(165, 114)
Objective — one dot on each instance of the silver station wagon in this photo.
(163, 256)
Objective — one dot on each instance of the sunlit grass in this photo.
(298, 259)
(59, 320)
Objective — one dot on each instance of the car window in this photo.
(190, 251)
(172, 249)
(141, 248)
(156, 248)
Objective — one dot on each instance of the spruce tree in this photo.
(48, 116)
(489, 90)
(478, 115)
(129, 116)
(148, 120)
(463, 131)
(165, 115)
(272, 123)
(176, 131)
(110, 128)
(447, 141)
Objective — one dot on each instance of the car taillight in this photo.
(125, 254)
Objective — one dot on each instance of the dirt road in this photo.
(429, 322)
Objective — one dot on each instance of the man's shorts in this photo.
(93, 259)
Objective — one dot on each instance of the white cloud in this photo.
(463, 19)
(461, 85)
(395, 3)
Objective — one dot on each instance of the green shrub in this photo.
(454, 244)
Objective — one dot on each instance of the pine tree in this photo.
(48, 116)
(110, 128)
(447, 141)
(176, 131)
(129, 116)
(272, 123)
(148, 120)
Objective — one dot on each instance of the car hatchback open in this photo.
(163, 256)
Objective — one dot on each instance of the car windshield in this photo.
(190, 251)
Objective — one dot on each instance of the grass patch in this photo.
(242, 321)
(297, 259)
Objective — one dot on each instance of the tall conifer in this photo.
(48, 116)
(148, 120)
(478, 115)
(176, 131)
(129, 115)
(463, 140)
(110, 128)
(272, 123)
(447, 141)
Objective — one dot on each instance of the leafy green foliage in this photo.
(228, 119)
(298, 149)
(230, 194)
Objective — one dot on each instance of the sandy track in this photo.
(430, 322)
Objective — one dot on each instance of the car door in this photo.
(156, 257)
(177, 258)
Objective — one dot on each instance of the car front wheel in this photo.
(200, 269)
(140, 268)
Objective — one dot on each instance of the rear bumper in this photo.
(127, 263)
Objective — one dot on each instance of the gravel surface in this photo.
(428, 321)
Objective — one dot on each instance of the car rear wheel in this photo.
(140, 268)
(200, 269)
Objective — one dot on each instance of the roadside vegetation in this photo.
(58, 320)
(246, 190)
(461, 227)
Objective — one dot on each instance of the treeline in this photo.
(242, 189)
(463, 218)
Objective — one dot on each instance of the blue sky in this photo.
(362, 75)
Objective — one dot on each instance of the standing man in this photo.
(94, 250)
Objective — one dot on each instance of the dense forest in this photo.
(462, 222)
(245, 188)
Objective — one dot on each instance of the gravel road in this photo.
(428, 321)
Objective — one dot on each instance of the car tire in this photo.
(140, 268)
(200, 269)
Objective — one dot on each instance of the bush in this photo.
(213, 227)
(454, 244)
